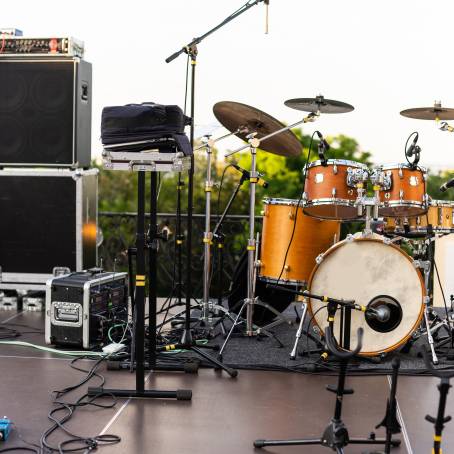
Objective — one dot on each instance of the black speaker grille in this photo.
(37, 111)
(38, 228)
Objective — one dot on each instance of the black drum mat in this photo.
(264, 353)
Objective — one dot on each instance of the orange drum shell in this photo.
(413, 185)
(321, 180)
(311, 238)
(441, 217)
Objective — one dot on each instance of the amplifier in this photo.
(18, 45)
(49, 223)
(82, 307)
(45, 112)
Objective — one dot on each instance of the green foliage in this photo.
(433, 185)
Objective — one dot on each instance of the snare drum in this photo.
(310, 238)
(440, 215)
(404, 195)
(329, 191)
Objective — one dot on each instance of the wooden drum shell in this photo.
(407, 195)
(327, 195)
(311, 237)
(440, 215)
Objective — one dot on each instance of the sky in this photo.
(381, 57)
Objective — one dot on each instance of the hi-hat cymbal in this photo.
(237, 116)
(430, 113)
(319, 104)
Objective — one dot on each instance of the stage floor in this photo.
(224, 416)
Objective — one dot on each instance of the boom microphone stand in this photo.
(191, 50)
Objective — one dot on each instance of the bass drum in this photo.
(374, 274)
(278, 299)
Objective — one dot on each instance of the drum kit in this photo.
(386, 268)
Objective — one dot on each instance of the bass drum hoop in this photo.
(421, 312)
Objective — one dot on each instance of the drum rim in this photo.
(402, 165)
(377, 240)
(275, 280)
(403, 203)
(343, 162)
(441, 203)
(282, 201)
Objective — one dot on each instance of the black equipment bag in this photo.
(149, 122)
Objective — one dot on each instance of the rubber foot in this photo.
(259, 443)
(184, 394)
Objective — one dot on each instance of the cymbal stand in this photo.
(207, 306)
(253, 144)
(191, 50)
(425, 266)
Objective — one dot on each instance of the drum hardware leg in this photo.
(335, 436)
(429, 336)
(294, 351)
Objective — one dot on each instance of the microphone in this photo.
(323, 147)
(445, 127)
(449, 184)
(326, 145)
(412, 148)
(247, 175)
(267, 4)
(380, 313)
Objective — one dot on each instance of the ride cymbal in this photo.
(243, 120)
(319, 104)
(429, 113)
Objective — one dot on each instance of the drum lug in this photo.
(401, 194)
(335, 169)
(334, 192)
(386, 240)
(350, 238)
(401, 172)
(319, 259)
(304, 197)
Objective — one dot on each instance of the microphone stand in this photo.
(191, 50)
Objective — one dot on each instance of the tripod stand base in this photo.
(179, 394)
(318, 441)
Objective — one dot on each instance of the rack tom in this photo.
(330, 191)
(311, 237)
(404, 191)
(440, 215)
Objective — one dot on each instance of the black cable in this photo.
(297, 208)
(310, 323)
(90, 443)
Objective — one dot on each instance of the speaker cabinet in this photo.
(48, 220)
(45, 112)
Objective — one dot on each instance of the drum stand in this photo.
(251, 300)
(335, 436)
(209, 308)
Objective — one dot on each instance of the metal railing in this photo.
(118, 231)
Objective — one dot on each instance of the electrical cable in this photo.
(297, 207)
(87, 444)
(310, 323)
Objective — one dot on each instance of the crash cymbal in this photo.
(430, 113)
(319, 104)
(235, 116)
